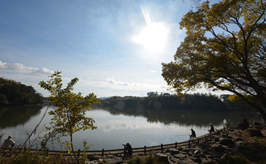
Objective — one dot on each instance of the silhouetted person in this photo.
(127, 149)
(212, 129)
(193, 134)
(9, 143)
(227, 124)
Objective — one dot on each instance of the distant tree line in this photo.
(15, 93)
(165, 101)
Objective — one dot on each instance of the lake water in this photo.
(115, 127)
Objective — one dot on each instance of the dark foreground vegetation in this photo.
(15, 93)
(199, 102)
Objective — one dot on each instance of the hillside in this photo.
(15, 93)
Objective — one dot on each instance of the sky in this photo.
(114, 47)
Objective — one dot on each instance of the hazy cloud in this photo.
(20, 68)
(112, 81)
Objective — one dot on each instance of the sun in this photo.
(153, 37)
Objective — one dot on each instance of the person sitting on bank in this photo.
(227, 124)
(212, 129)
(193, 134)
(127, 149)
(9, 143)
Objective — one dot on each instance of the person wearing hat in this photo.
(9, 143)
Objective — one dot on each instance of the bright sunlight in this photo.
(154, 36)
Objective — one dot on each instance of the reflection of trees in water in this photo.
(185, 117)
(12, 116)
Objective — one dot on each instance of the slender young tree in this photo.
(70, 114)
(225, 49)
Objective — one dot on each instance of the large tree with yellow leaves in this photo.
(225, 49)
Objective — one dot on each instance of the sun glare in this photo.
(153, 37)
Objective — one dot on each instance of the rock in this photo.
(226, 141)
(167, 153)
(180, 156)
(257, 123)
(218, 148)
(224, 136)
(113, 160)
(162, 158)
(186, 150)
(244, 125)
(216, 138)
(207, 150)
(223, 156)
(180, 148)
(196, 152)
(208, 160)
(186, 162)
(239, 143)
(100, 160)
(200, 155)
(175, 160)
(92, 157)
(173, 151)
(212, 142)
(210, 157)
(238, 139)
(189, 154)
(110, 156)
(254, 132)
(194, 159)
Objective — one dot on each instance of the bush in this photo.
(236, 159)
(148, 159)
(26, 156)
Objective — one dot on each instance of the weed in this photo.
(148, 159)
(248, 133)
(236, 159)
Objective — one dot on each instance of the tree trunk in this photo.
(72, 147)
(71, 138)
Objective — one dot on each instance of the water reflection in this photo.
(114, 127)
(12, 116)
(185, 117)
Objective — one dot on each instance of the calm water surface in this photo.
(115, 127)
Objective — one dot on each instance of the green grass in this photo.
(148, 159)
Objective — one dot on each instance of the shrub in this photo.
(148, 159)
(236, 159)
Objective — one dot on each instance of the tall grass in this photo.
(148, 159)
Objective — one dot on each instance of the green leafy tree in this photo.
(3, 99)
(150, 94)
(70, 114)
(16, 93)
(224, 49)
